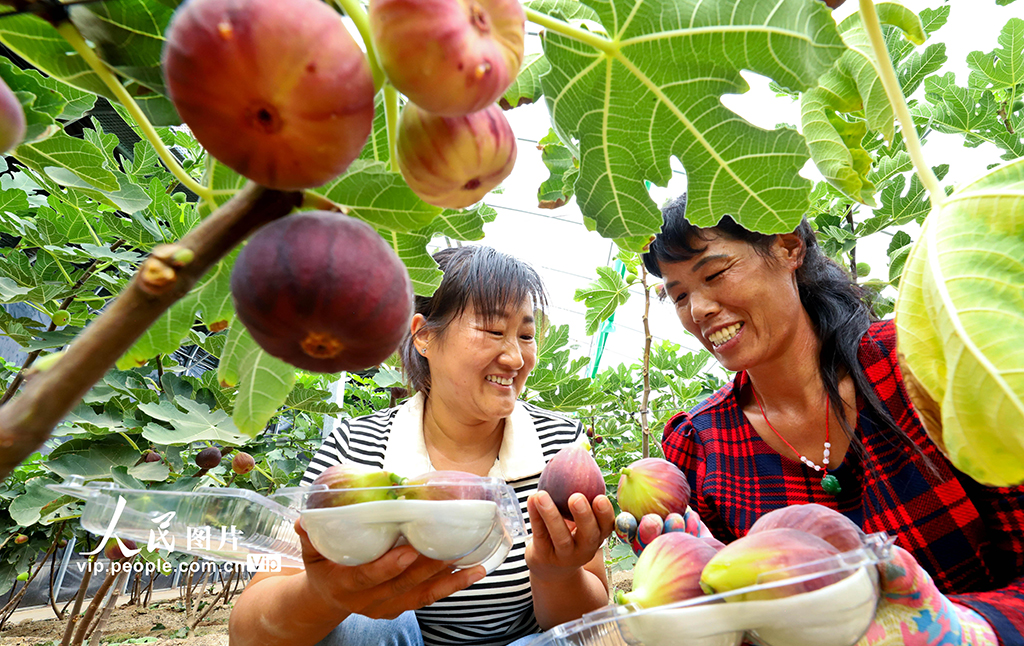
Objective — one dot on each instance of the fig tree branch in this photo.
(163, 278)
(869, 17)
(644, 425)
(355, 11)
(71, 34)
(597, 41)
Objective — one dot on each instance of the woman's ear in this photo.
(790, 249)
(420, 337)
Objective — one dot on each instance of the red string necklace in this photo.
(828, 482)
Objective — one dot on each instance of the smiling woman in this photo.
(470, 350)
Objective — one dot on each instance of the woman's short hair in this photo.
(483, 279)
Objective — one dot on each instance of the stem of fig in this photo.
(391, 117)
(891, 84)
(355, 11)
(598, 42)
(74, 38)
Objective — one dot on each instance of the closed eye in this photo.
(715, 275)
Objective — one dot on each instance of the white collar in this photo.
(520, 455)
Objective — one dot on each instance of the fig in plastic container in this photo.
(452, 57)
(445, 485)
(12, 119)
(827, 524)
(571, 470)
(323, 292)
(653, 486)
(452, 162)
(668, 571)
(277, 91)
(743, 562)
(350, 484)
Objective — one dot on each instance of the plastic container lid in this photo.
(835, 615)
(236, 525)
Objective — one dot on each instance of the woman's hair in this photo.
(478, 278)
(839, 309)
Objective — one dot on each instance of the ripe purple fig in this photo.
(827, 524)
(351, 484)
(113, 551)
(452, 57)
(322, 291)
(277, 91)
(452, 162)
(242, 463)
(571, 470)
(743, 562)
(151, 456)
(12, 119)
(208, 458)
(668, 571)
(445, 485)
(653, 486)
(20, 539)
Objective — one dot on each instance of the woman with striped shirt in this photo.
(472, 346)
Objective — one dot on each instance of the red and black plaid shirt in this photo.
(969, 537)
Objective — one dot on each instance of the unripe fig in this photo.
(242, 463)
(571, 470)
(668, 571)
(349, 484)
(152, 456)
(22, 577)
(12, 119)
(445, 485)
(60, 317)
(452, 162)
(277, 91)
(208, 458)
(452, 57)
(20, 539)
(179, 198)
(742, 562)
(653, 486)
(322, 291)
(113, 550)
(827, 524)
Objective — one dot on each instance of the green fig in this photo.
(749, 560)
(653, 486)
(445, 485)
(668, 571)
(350, 484)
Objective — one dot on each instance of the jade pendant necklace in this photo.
(828, 481)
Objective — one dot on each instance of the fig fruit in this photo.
(113, 549)
(749, 560)
(445, 485)
(322, 291)
(277, 91)
(571, 470)
(452, 57)
(827, 524)
(351, 484)
(242, 463)
(22, 577)
(152, 456)
(653, 486)
(12, 119)
(651, 527)
(20, 539)
(60, 317)
(668, 571)
(452, 162)
(208, 458)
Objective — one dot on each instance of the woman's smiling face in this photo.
(479, 366)
(741, 305)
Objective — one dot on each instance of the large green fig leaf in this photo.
(602, 297)
(263, 381)
(657, 78)
(196, 424)
(960, 318)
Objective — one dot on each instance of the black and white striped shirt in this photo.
(498, 609)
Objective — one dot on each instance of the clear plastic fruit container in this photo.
(471, 523)
(838, 614)
(236, 525)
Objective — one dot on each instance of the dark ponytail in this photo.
(839, 309)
